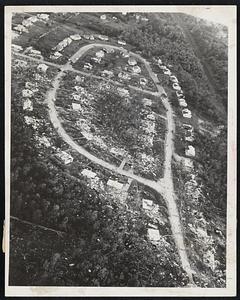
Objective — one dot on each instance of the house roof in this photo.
(88, 173)
(147, 204)
(115, 184)
(153, 234)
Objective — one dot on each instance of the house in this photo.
(75, 37)
(79, 78)
(20, 28)
(115, 184)
(147, 204)
(27, 93)
(188, 127)
(186, 113)
(56, 55)
(132, 61)
(167, 72)
(153, 235)
(31, 121)
(103, 17)
(147, 102)
(100, 54)
(76, 97)
(43, 141)
(65, 157)
(190, 151)
(91, 37)
(26, 23)
(17, 48)
(176, 86)
(88, 173)
(76, 106)
(182, 102)
(173, 79)
(33, 19)
(188, 163)
(159, 61)
(31, 86)
(43, 17)
(15, 34)
(189, 138)
(42, 68)
(27, 105)
(96, 59)
(163, 67)
(87, 66)
(123, 92)
(143, 81)
(124, 13)
(179, 94)
(151, 117)
(136, 69)
(144, 19)
(67, 41)
(114, 18)
(149, 127)
(124, 75)
(103, 37)
(125, 54)
(86, 36)
(32, 51)
(120, 42)
(107, 73)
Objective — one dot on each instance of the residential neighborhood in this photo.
(108, 142)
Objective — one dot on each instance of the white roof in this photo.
(151, 117)
(136, 69)
(103, 17)
(43, 16)
(147, 204)
(67, 158)
(153, 235)
(75, 37)
(88, 173)
(17, 47)
(100, 53)
(76, 106)
(132, 61)
(147, 102)
(188, 163)
(122, 91)
(42, 67)
(190, 151)
(27, 93)
(121, 42)
(27, 22)
(76, 97)
(31, 121)
(27, 105)
(44, 141)
(115, 184)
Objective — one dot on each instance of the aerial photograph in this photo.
(118, 150)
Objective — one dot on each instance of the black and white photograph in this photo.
(121, 146)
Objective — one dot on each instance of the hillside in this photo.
(118, 151)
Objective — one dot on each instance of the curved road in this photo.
(164, 186)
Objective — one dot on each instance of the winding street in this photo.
(164, 185)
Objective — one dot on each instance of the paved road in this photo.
(163, 186)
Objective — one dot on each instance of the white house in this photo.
(17, 48)
(75, 37)
(100, 54)
(113, 183)
(56, 55)
(188, 163)
(159, 61)
(43, 141)
(107, 73)
(123, 92)
(76, 97)
(153, 235)
(188, 127)
(20, 28)
(33, 19)
(65, 157)
(42, 68)
(88, 66)
(167, 72)
(27, 105)
(189, 138)
(190, 151)
(186, 113)
(121, 42)
(147, 204)
(91, 37)
(103, 17)
(96, 59)
(125, 54)
(179, 94)
(88, 173)
(173, 79)
(79, 78)
(103, 37)
(176, 86)
(43, 17)
(136, 69)
(27, 93)
(124, 75)
(76, 106)
(147, 102)
(143, 81)
(182, 102)
(26, 22)
(31, 121)
(132, 61)
(151, 117)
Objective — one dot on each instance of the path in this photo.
(163, 186)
